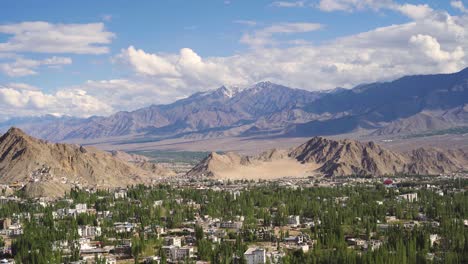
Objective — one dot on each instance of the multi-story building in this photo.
(89, 231)
(255, 256)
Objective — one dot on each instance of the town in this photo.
(411, 219)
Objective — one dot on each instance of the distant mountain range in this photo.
(321, 156)
(408, 105)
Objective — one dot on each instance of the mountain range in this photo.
(50, 169)
(407, 105)
(321, 156)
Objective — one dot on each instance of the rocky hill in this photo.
(333, 158)
(40, 164)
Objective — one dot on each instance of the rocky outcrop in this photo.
(41, 164)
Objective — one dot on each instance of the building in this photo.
(255, 256)
(120, 194)
(81, 208)
(173, 241)
(5, 223)
(294, 220)
(89, 231)
(231, 225)
(178, 253)
(410, 197)
(123, 227)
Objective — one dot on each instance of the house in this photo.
(255, 256)
(15, 230)
(410, 197)
(231, 224)
(294, 220)
(81, 208)
(294, 240)
(374, 245)
(123, 227)
(152, 259)
(176, 253)
(173, 241)
(89, 231)
(5, 223)
(434, 238)
(120, 194)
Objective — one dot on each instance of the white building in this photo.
(120, 194)
(89, 231)
(255, 256)
(178, 253)
(173, 241)
(231, 224)
(294, 220)
(410, 197)
(123, 227)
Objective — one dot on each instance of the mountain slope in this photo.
(373, 106)
(220, 109)
(406, 105)
(25, 159)
(331, 158)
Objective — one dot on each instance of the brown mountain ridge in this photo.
(322, 156)
(50, 169)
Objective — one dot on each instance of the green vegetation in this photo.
(338, 213)
(166, 156)
(449, 131)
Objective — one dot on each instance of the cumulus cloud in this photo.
(180, 70)
(150, 64)
(459, 5)
(23, 100)
(124, 94)
(433, 41)
(431, 48)
(45, 37)
(415, 11)
(23, 67)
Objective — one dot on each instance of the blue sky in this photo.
(87, 58)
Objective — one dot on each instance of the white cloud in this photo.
(149, 64)
(46, 37)
(180, 70)
(288, 3)
(15, 100)
(419, 11)
(459, 5)
(23, 67)
(415, 11)
(432, 42)
(430, 47)
(264, 36)
(352, 5)
(124, 94)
